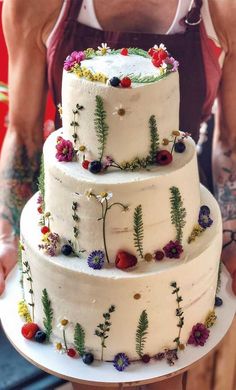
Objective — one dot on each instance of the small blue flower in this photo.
(96, 259)
(204, 220)
(121, 361)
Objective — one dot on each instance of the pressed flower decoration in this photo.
(204, 222)
(121, 361)
(199, 335)
(121, 111)
(65, 150)
(103, 49)
(73, 59)
(50, 243)
(96, 259)
(173, 249)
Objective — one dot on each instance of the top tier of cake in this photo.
(99, 81)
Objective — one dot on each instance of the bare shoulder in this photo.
(29, 19)
(223, 13)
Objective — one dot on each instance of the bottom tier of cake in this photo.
(143, 311)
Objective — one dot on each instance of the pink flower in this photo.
(171, 63)
(173, 249)
(74, 58)
(65, 150)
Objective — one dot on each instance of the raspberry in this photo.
(157, 62)
(124, 51)
(29, 330)
(164, 157)
(85, 164)
(159, 255)
(40, 210)
(45, 230)
(125, 82)
(146, 358)
(71, 352)
(151, 51)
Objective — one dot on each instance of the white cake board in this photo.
(104, 374)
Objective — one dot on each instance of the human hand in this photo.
(229, 256)
(8, 258)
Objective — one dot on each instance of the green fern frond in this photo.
(139, 78)
(79, 339)
(48, 312)
(178, 212)
(100, 126)
(41, 180)
(154, 138)
(138, 230)
(219, 278)
(141, 333)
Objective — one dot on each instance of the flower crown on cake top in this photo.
(162, 64)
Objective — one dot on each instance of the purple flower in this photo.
(159, 356)
(40, 199)
(171, 63)
(199, 335)
(121, 361)
(108, 161)
(96, 259)
(171, 355)
(74, 58)
(50, 243)
(204, 220)
(173, 249)
(65, 150)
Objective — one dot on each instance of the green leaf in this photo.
(178, 212)
(79, 339)
(48, 312)
(154, 138)
(141, 333)
(139, 78)
(138, 230)
(100, 126)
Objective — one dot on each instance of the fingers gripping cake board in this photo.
(120, 260)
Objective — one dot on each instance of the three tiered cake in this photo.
(124, 263)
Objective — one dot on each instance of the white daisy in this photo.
(161, 46)
(89, 193)
(104, 195)
(63, 323)
(103, 49)
(121, 111)
(59, 347)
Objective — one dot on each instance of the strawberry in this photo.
(29, 330)
(151, 51)
(125, 260)
(124, 51)
(157, 62)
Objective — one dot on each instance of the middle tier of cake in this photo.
(93, 211)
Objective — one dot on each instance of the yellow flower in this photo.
(59, 107)
(24, 311)
(82, 148)
(165, 141)
(45, 237)
(210, 319)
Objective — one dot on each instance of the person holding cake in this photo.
(199, 35)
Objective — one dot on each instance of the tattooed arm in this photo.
(224, 157)
(26, 23)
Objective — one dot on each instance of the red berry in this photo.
(151, 51)
(125, 82)
(146, 358)
(164, 157)
(125, 260)
(85, 164)
(71, 352)
(124, 51)
(40, 210)
(159, 255)
(29, 330)
(45, 230)
(160, 55)
(157, 62)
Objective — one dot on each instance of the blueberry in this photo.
(66, 249)
(95, 166)
(218, 301)
(179, 147)
(205, 210)
(40, 336)
(114, 81)
(88, 358)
